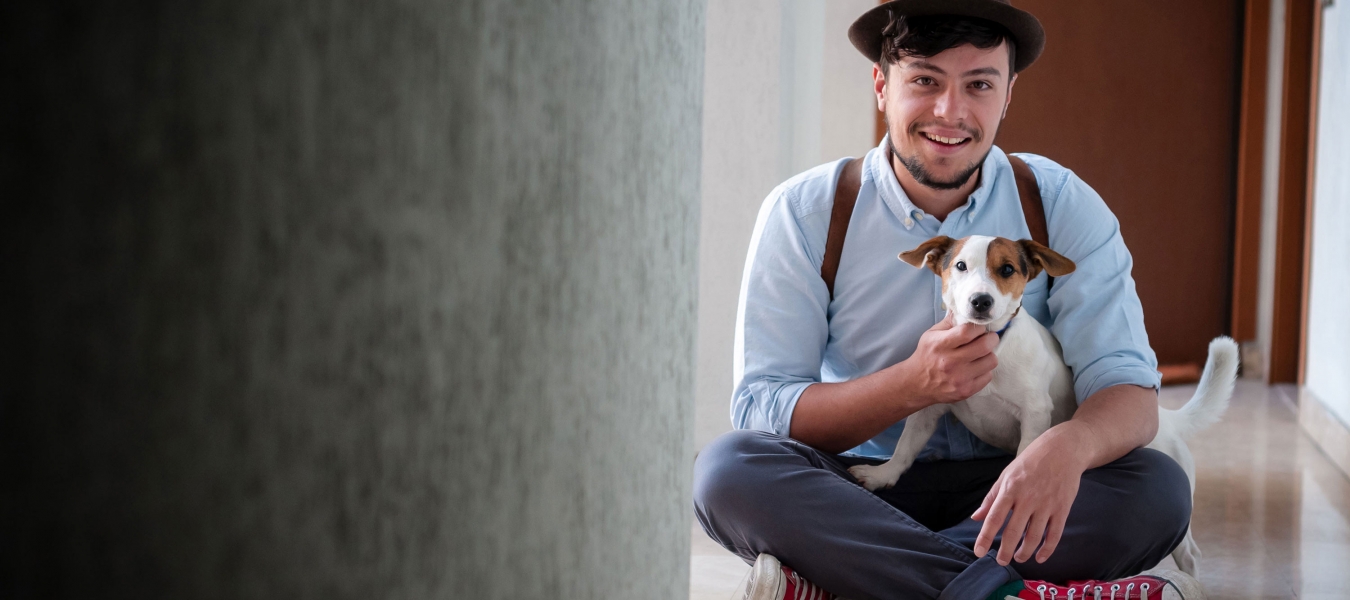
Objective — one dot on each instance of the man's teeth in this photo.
(944, 140)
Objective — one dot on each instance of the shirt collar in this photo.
(888, 187)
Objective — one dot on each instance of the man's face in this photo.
(942, 112)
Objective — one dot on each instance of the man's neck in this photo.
(938, 203)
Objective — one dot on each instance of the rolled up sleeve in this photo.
(781, 320)
(1095, 311)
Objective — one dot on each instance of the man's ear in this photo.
(1045, 259)
(879, 85)
(929, 253)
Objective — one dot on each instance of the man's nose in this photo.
(950, 105)
(982, 303)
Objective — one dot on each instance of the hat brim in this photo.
(865, 33)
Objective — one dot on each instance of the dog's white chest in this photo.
(992, 418)
(1030, 382)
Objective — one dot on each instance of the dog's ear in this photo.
(929, 253)
(1045, 259)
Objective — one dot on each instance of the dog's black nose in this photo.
(982, 303)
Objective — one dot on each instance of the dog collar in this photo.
(1009, 324)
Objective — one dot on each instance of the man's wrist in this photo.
(1074, 441)
(900, 378)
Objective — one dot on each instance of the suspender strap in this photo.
(1033, 209)
(845, 196)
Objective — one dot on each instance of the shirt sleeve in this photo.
(1095, 311)
(781, 319)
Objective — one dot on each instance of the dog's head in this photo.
(983, 277)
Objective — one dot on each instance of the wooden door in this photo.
(1140, 99)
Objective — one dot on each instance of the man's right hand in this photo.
(952, 363)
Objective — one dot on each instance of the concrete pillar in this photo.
(348, 300)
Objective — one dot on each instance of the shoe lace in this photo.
(803, 589)
(1081, 591)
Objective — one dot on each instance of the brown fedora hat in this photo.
(865, 33)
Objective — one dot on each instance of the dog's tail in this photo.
(1211, 396)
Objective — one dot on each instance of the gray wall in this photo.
(348, 300)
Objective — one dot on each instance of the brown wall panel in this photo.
(1286, 328)
(1251, 150)
(1141, 99)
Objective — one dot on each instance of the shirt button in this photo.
(909, 222)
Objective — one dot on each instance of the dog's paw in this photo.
(874, 477)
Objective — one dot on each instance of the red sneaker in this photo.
(1149, 585)
(770, 580)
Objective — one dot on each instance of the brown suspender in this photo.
(846, 195)
(1033, 207)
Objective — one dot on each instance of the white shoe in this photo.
(770, 580)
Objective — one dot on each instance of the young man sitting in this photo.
(825, 376)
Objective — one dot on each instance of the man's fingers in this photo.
(1017, 524)
(1032, 539)
(960, 335)
(988, 501)
(993, 522)
(946, 323)
(1051, 539)
(983, 343)
(985, 364)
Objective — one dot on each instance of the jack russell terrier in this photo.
(1032, 389)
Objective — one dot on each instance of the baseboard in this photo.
(1330, 434)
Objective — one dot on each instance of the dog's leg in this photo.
(1187, 556)
(919, 427)
(1035, 421)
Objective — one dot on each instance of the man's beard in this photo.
(921, 175)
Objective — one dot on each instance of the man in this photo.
(825, 377)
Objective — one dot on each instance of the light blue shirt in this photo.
(790, 334)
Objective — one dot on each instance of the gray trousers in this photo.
(758, 492)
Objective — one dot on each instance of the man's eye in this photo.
(924, 81)
(960, 265)
(1006, 271)
(982, 85)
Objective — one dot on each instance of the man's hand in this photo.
(1033, 495)
(952, 362)
(1036, 491)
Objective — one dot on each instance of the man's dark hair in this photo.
(929, 35)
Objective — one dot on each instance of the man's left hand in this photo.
(1033, 495)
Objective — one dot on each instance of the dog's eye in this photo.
(960, 265)
(1006, 271)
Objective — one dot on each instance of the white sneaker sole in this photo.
(766, 579)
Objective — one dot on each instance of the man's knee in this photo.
(1142, 512)
(1158, 489)
(725, 473)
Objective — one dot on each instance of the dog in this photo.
(1032, 389)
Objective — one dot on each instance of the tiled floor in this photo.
(1272, 514)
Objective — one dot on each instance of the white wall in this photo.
(1270, 186)
(783, 91)
(1328, 351)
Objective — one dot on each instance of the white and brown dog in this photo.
(1032, 389)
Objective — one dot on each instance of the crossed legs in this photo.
(757, 492)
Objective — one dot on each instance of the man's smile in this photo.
(946, 141)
